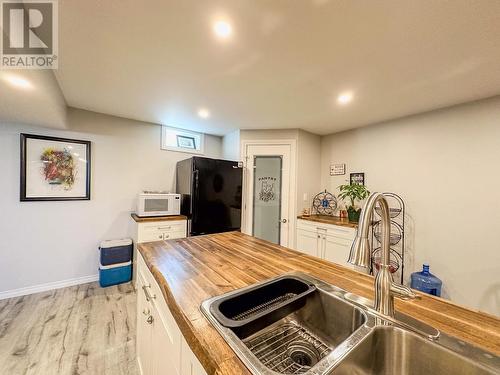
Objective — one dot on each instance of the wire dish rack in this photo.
(396, 238)
(288, 348)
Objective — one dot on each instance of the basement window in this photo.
(175, 139)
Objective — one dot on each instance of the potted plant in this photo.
(354, 192)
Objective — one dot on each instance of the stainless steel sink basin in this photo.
(297, 324)
(299, 341)
(394, 351)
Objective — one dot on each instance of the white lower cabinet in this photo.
(144, 331)
(156, 231)
(325, 241)
(190, 364)
(337, 250)
(308, 242)
(161, 348)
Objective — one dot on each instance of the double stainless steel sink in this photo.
(297, 324)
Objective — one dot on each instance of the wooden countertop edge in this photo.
(149, 219)
(332, 220)
(185, 325)
(431, 310)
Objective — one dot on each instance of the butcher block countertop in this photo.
(191, 270)
(325, 219)
(148, 219)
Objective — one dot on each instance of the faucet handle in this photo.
(403, 292)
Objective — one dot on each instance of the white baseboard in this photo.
(49, 286)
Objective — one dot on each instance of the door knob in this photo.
(283, 221)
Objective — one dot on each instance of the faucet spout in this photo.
(361, 255)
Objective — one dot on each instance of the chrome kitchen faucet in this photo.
(361, 255)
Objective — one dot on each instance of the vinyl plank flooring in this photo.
(83, 330)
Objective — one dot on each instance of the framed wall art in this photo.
(357, 178)
(186, 142)
(54, 169)
(337, 169)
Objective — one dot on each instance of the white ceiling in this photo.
(158, 60)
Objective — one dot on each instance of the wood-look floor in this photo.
(83, 329)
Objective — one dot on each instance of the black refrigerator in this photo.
(210, 194)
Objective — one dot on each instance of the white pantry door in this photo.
(267, 198)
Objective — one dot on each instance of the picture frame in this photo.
(357, 178)
(184, 141)
(54, 169)
(337, 169)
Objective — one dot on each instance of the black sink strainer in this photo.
(285, 294)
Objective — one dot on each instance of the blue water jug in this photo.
(426, 282)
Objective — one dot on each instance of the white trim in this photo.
(292, 221)
(48, 286)
(198, 151)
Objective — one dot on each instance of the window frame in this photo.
(183, 133)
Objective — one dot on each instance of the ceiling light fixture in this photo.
(204, 113)
(222, 29)
(18, 81)
(344, 98)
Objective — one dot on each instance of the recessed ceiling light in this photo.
(18, 81)
(344, 98)
(204, 113)
(222, 29)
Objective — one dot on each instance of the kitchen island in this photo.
(189, 271)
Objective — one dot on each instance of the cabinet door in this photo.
(143, 338)
(151, 236)
(337, 250)
(166, 336)
(164, 363)
(308, 242)
(173, 235)
(190, 364)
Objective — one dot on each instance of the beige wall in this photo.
(45, 242)
(231, 146)
(308, 169)
(445, 166)
(43, 104)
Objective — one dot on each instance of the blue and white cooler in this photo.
(115, 262)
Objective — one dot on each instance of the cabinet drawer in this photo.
(308, 225)
(163, 226)
(329, 229)
(161, 230)
(342, 232)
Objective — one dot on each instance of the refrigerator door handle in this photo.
(195, 195)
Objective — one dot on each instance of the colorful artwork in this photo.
(54, 169)
(59, 167)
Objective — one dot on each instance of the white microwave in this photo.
(158, 204)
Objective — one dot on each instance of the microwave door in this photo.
(156, 206)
